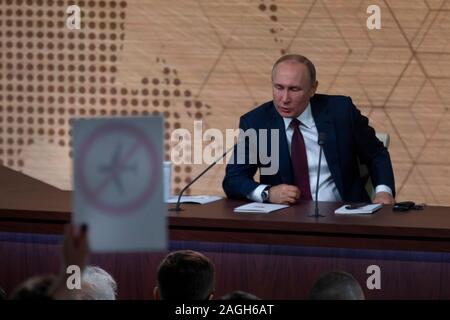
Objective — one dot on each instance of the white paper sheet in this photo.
(257, 207)
(194, 199)
(367, 209)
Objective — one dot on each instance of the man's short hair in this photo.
(2, 294)
(299, 59)
(34, 288)
(185, 275)
(336, 285)
(239, 295)
(97, 284)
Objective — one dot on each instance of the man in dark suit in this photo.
(301, 116)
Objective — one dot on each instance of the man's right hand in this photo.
(75, 251)
(75, 246)
(284, 194)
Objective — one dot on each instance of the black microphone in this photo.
(178, 206)
(321, 142)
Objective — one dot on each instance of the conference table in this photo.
(275, 256)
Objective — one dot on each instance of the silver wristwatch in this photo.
(265, 194)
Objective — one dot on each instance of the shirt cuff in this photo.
(256, 195)
(383, 188)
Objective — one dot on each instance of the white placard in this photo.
(167, 170)
(117, 175)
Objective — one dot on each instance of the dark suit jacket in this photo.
(348, 137)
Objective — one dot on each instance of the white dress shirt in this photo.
(327, 188)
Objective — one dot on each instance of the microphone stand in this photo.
(178, 205)
(321, 142)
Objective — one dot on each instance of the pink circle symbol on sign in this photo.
(92, 193)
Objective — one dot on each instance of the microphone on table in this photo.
(178, 205)
(321, 142)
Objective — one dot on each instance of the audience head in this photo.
(239, 296)
(185, 275)
(96, 284)
(35, 288)
(2, 294)
(336, 285)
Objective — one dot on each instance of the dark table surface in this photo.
(39, 207)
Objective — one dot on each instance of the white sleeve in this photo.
(383, 188)
(255, 195)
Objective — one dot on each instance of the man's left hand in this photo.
(384, 198)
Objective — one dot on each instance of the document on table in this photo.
(257, 207)
(365, 209)
(193, 199)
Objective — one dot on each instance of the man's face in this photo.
(291, 88)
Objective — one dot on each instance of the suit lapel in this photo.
(285, 168)
(325, 124)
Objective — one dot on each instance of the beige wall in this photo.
(210, 60)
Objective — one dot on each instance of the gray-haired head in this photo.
(97, 284)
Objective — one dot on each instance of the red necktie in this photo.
(299, 161)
